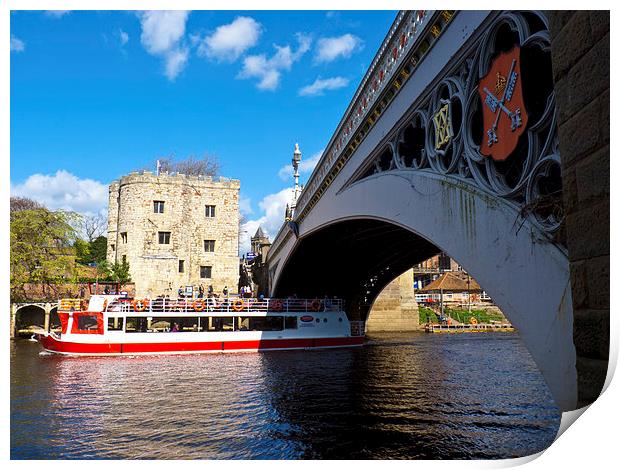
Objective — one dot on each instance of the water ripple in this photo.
(399, 397)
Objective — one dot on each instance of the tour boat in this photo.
(112, 325)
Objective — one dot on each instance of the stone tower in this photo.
(260, 243)
(175, 230)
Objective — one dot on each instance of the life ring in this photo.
(140, 305)
(315, 305)
(237, 305)
(473, 321)
(276, 305)
(199, 305)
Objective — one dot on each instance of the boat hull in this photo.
(53, 345)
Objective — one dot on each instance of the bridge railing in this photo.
(407, 30)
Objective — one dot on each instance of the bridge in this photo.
(25, 315)
(450, 144)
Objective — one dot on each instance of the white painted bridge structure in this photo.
(404, 177)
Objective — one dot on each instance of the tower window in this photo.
(209, 246)
(158, 207)
(124, 237)
(164, 238)
(209, 211)
(181, 265)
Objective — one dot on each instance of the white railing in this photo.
(358, 328)
(233, 305)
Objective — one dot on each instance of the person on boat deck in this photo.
(210, 290)
(106, 290)
(175, 327)
(225, 291)
(180, 292)
(201, 291)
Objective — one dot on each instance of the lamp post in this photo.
(296, 189)
(468, 295)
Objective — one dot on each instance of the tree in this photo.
(41, 249)
(93, 226)
(119, 272)
(208, 165)
(22, 204)
(98, 249)
(82, 251)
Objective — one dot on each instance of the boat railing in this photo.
(233, 305)
(358, 328)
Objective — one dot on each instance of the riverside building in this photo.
(175, 230)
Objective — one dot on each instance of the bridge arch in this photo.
(413, 214)
(27, 315)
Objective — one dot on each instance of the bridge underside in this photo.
(353, 260)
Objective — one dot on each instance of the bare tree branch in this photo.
(208, 165)
(94, 226)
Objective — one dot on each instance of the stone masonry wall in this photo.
(580, 55)
(154, 267)
(395, 309)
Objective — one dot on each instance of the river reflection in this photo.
(399, 397)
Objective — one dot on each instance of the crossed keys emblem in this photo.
(502, 125)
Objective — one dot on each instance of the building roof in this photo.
(451, 282)
(259, 233)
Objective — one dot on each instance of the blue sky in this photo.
(95, 95)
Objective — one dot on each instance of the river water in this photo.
(401, 396)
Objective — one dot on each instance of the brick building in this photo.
(175, 230)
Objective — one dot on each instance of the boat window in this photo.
(160, 324)
(136, 325)
(270, 323)
(290, 323)
(217, 323)
(87, 322)
(115, 323)
(188, 323)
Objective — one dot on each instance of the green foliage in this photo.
(91, 252)
(82, 251)
(98, 249)
(427, 315)
(483, 316)
(119, 272)
(41, 249)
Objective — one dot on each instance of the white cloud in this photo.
(162, 35)
(273, 207)
(329, 49)
(17, 45)
(123, 37)
(57, 13)
(268, 71)
(245, 206)
(64, 190)
(229, 41)
(305, 167)
(175, 62)
(320, 85)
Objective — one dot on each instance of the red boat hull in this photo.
(51, 344)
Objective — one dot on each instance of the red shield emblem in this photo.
(503, 108)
